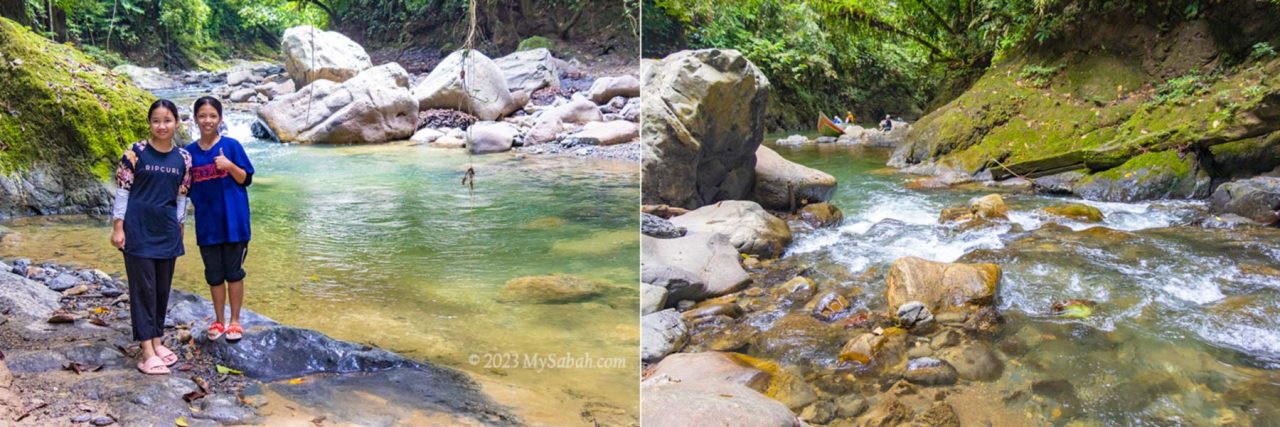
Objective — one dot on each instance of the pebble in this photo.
(930, 371)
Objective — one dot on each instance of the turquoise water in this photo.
(380, 244)
(1186, 330)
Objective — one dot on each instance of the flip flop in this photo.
(153, 366)
(166, 355)
(234, 332)
(215, 331)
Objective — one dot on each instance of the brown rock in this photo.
(942, 286)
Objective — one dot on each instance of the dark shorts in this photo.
(224, 262)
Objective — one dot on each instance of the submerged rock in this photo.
(929, 371)
(551, 289)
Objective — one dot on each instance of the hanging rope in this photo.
(468, 177)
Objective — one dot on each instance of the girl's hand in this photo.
(222, 162)
(117, 238)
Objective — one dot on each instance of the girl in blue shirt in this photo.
(150, 207)
(220, 171)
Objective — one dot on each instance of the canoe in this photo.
(828, 128)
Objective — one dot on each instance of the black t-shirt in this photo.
(154, 180)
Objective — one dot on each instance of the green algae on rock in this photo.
(63, 124)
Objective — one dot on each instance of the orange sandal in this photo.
(215, 331)
(166, 355)
(234, 332)
(153, 366)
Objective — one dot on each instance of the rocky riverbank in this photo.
(68, 358)
(528, 100)
(860, 334)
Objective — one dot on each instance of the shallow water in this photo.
(380, 244)
(1187, 324)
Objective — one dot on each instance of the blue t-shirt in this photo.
(154, 180)
(221, 203)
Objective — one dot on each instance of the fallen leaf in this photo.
(99, 322)
(181, 421)
(100, 310)
(296, 381)
(226, 370)
(193, 396)
(204, 386)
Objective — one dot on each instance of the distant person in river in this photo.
(147, 225)
(836, 120)
(221, 173)
(848, 117)
(886, 124)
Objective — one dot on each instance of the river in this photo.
(1187, 323)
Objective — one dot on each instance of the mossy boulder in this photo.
(1165, 174)
(64, 121)
(1076, 211)
(536, 42)
(551, 289)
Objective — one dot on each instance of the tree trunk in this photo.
(15, 10)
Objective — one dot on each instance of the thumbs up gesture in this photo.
(222, 162)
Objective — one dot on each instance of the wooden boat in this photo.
(828, 128)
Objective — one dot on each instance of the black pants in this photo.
(224, 262)
(149, 283)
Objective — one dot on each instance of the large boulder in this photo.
(1155, 175)
(608, 133)
(147, 78)
(750, 228)
(491, 137)
(375, 106)
(484, 93)
(942, 287)
(530, 70)
(312, 54)
(710, 403)
(784, 185)
(1256, 198)
(696, 266)
(605, 88)
(702, 119)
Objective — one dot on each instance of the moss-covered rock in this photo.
(63, 123)
(1076, 211)
(536, 42)
(1164, 174)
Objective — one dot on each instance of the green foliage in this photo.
(536, 42)
(1261, 50)
(1039, 75)
(1254, 91)
(1181, 88)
